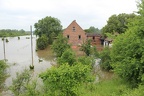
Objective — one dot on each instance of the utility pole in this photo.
(32, 67)
(4, 49)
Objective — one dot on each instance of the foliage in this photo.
(42, 42)
(3, 67)
(135, 92)
(60, 45)
(127, 53)
(67, 57)
(85, 60)
(48, 26)
(65, 80)
(92, 29)
(118, 23)
(105, 59)
(94, 52)
(18, 84)
(12, 33)
(22, 85)
(86, 47)
(127, 56)
(112, 87)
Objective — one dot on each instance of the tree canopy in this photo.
(118, 23)
(48, 26)
(92, 29)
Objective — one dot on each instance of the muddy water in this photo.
(18, 55)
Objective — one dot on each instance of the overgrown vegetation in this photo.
(66, 80)
(60, 45)
(42, 42)
(23, 85)
(68, 56)
(127, 52)
(105, 59)
(3, 75)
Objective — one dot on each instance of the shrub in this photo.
(65, 80)
(3, 67)
(42, 42)
(67, 57)
(60, 45)
(105, 59)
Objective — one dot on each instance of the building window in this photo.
(79, 37)
(93, 37)
(74, 29)
(68, 36)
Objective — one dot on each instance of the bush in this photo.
(105, 59)
(67, 57)
(85, 60)
(3, 67)
(42, 42)
(65, 80)
(60, 45)
(23, 85)
(86, 47)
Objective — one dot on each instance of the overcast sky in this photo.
(20, 14)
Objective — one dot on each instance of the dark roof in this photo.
(93, 34)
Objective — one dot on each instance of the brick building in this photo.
(77, 35)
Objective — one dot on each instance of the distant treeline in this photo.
(13, 33)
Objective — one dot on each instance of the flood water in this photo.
(18, 56)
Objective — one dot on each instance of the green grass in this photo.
(112, 87)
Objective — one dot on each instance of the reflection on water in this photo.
(18, 54)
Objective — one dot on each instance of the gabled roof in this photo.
(74, 24)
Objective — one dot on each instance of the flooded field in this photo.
(18, 56)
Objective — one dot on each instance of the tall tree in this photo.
(48, 26)
(127, 53)
(118, 23)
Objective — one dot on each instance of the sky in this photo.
(20, 14)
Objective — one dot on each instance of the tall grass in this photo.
(3, 67)
(112, 87)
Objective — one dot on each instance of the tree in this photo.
(48, 26)
(127, 52)
(118, 23)
(68, 56)
(60, 45)
(66, 80)
(42, 42)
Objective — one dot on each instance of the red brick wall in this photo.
(96, 42)
(74, 35)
